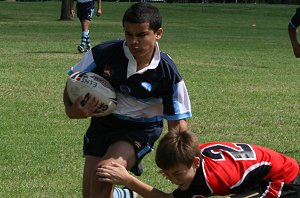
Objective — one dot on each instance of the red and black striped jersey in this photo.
(230, 168)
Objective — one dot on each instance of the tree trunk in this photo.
(65, 10)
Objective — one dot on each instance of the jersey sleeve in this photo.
(180, 107)
(94, 57)
(295, 20)
(273, 189)
(87, 63)
(175, 98)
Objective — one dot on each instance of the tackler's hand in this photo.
(114, 173)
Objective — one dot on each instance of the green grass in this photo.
(236, 60)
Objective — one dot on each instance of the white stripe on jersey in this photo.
(249, 170)
(83, 1)
(182, 103)
(151, 110)
(205, 176)
(141, 111)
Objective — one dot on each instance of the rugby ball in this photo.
(87, 84)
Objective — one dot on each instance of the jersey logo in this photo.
(124, 89)
(147, 86)
(107, 72)
(137, 144)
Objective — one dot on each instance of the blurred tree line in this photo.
(198, 1)
(65, 4)
(233, 1)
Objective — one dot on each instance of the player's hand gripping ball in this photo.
(88, 83)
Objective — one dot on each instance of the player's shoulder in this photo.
(296, 16)
(108, 45)
(208, 144)
(106, 48)
(166, 57)
(167, 62)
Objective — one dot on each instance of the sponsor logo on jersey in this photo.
(147, 86)
(125, 90)
(107, 71)
(137, 144)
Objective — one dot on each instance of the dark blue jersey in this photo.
(147, 95)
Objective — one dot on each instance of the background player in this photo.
(85, 12)
(216, 168)
(292, 29)
(149, 89)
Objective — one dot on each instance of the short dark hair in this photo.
(177, 147)
(143, 12)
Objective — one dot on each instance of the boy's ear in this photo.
(159, 33)
(197, 162)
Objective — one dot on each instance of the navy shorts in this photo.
(104, 131)
(85, 10)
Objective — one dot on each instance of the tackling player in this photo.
(214, 169)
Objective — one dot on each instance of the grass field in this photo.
(236, 60)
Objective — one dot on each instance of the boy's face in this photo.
(141, 39)
(182, 175)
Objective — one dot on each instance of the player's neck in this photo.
(144, 61)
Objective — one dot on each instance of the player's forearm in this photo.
(71, 4)
(68, 107)
(66, 100)
(295, 44)
(144, 189)
(99, 4)
(67, 103)
(293, 35)
(177, 125)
